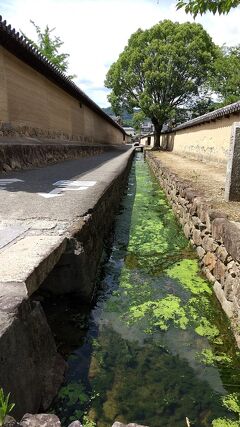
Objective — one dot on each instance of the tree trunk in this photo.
(157, 133)
(157, 139)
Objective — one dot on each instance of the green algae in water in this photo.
(232, 403)
(160, 312)
(210, 359)
(187, 272)
(164, 350)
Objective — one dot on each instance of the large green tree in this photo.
(161, 70)
(225, 79)
(49, 45)
(202, 6)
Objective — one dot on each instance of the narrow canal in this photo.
(156, 347)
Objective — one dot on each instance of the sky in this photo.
(95, 32)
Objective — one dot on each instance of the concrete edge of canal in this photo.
(31, 368)
(214, 237)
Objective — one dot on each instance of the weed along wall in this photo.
(216, 239)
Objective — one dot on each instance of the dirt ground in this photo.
(208, 179)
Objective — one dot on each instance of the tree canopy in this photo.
(49, 46)
(202, 6)
(225, 80)
(161, 70)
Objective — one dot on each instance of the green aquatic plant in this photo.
(187, 272)
(133, 373)
(232, 403)
(154, 234)
(223, 422)
(5, 406)
(169, 309)
(209, 358)
(73, 393)
(160, 313)
(206, 329)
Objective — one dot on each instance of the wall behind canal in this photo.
(34, 106)
(216, 239)
(206, 142)
(38, 100)
(204, 138)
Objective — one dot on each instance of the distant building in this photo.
(129, 131)
(146, 127)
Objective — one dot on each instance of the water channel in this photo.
(156, 347)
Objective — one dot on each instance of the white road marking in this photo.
(67, 185)
(49, 195)
(75, 189)
(54, 193)
(75, 183)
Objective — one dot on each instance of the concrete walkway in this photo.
(39, 206)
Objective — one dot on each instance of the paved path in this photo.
(38, 206)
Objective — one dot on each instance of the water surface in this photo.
(156, 347)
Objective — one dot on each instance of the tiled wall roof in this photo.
(217, 114)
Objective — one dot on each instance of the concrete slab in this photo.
(27, 345)
(13, 288)
(58, 204)
(30, 260)
(8, 234)
(26, 259)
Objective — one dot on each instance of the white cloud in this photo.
(95, 31)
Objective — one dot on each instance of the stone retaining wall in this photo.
(19, 156)
(31, 368)
(216, 239)
(77, 268)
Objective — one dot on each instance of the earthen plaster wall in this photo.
(207, 142)
(147, 141)
(32, 103)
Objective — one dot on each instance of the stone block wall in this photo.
(20, 156)
(216, 239)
